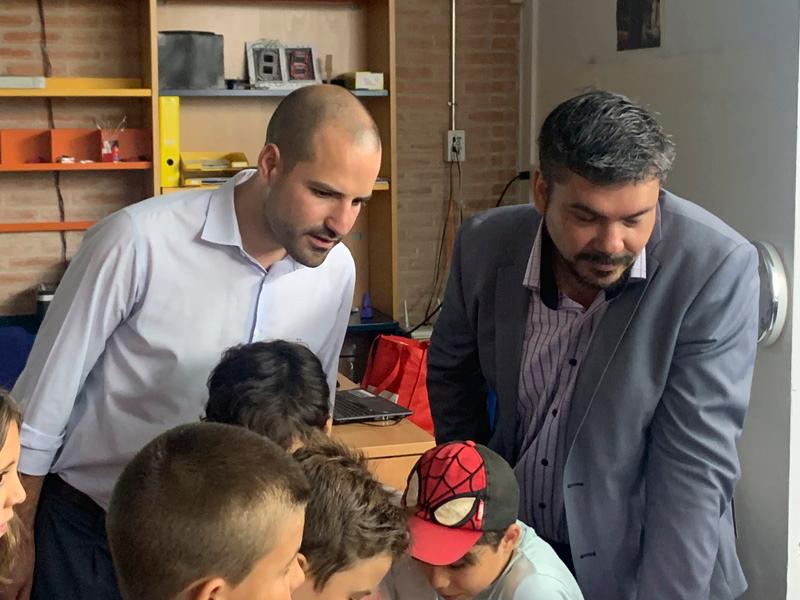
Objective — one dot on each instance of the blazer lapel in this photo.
(511, 307)
(510, 314)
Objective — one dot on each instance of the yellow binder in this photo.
(169, 133)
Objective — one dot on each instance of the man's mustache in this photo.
(325, 234)
(606, 260)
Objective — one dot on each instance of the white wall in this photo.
(725, 82)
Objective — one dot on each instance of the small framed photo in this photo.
(272, 65)
(265, 66)
(301, 64)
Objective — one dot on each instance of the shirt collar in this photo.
(539, 276)
(221, 226)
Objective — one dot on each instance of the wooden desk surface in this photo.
(343, 383)
(391, 450)
(378, 441)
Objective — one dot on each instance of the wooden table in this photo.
(391, 450)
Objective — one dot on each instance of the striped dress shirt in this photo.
(558, 331)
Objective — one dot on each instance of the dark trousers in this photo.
(72, 556)
(564, 553)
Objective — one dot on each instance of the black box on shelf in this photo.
(190, 60)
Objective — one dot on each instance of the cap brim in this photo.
(438, 545)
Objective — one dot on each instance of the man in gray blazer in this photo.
(616, 325)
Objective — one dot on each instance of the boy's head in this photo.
(277, 389)
(208, 511)
(354, 529)
(462, 499)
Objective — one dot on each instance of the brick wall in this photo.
(487, 37)
(91, 38)
(85, 38)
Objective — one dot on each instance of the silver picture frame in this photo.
(272, 65)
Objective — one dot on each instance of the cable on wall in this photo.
(447, 235)
(47, 67)
(454, 211)
(521, 176)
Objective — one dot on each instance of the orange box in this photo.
(31, 146)
(82, 144)
(134, 144)
(20, 146)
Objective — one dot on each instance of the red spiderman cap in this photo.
(457, 491)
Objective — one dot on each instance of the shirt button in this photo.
(555, 412)
(542, 505)
(545, 462)
(573, 362)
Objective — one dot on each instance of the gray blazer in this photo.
(658, 405)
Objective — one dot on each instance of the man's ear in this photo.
(212, 588)
(269, 162)
(540, 191)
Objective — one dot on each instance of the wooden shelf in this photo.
(82, 87)
(95, 166)
(380, 186)
(254, 93)
(169, 190)
(76, 93)
(23, 150)
(45, 226)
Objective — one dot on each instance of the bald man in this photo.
(155, 294)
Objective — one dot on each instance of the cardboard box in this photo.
(362, 80)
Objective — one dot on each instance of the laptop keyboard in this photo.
(345, 407)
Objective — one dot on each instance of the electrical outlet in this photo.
(455, 149)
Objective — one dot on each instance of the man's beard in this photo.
(307, 254)
(600, 259)
(295, 241)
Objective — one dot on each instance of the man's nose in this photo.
(342, 217)
(609, 240)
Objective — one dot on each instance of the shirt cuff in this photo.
(37, 450)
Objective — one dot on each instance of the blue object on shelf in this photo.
(365, 312)
(379, 323)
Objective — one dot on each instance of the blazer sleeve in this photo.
(456, 386)
(692, 465)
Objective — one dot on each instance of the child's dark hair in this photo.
(277, 389)
(350, 516)
(491, 539)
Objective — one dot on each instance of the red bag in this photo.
(396, 369)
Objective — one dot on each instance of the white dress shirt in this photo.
(155, 294)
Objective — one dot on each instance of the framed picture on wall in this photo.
(638, 24)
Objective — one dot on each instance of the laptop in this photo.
(360, 406)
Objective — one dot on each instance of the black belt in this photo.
(77, 498)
